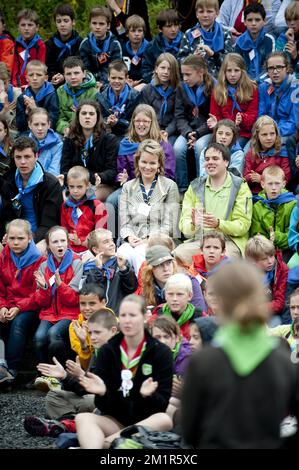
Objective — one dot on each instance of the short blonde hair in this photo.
(179, 280)
(20, 224)
(273, 170)
(292, 11)
(259, 246)
(239, 288)
(37, 63)
(78, 173)
(135, 22)
(152, 147)
(94, 237)
(202, 4)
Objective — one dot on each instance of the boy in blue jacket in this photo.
(255, 44)
(39, 93)
(167, 40)
(118, 100)
(100, 47)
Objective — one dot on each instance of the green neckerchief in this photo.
(175, 350)
(245, 349)
(184, 317)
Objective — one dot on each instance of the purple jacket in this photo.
(182, 358)
(127, 162)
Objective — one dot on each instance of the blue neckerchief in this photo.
(140, 51)
(28, 257)
(235, 148)
(269, 277)
(106, 267)
(2, 151)
(118, 104)
(27, 48)
(215, 38)
(66, 47)
(164, 94)
(74, 204)
(278, 92)
(89, 265)
(126, 147)
(174, 45)
(44, 91)
(232, 93)
(9, 95)
(85, 150)
(51, 139)
(293, 276)
(196, 98)
(283, 198)
(94, 45)
(147, 196)
(35, 178)
(159, 294)
(75, 95)
(66, 262)
(246, 43)
(273, 152)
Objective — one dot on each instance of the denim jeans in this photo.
(52, 339)
(180, 149)
(15, 334)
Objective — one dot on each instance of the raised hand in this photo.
(148, 387)
(93, 384)
(74, 368)
(52, 370)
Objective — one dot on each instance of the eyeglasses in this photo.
(279, 68)
(142, 121)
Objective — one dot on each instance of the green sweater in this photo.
(66, 103)
(264, 217)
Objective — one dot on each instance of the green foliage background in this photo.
(45, 8)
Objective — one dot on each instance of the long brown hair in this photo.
(147, 282)
(246, 86)
(6, 140)
(198, 63)
(76, 132)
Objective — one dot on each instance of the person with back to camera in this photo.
(243, 365)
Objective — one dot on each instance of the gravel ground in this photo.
(14, 406)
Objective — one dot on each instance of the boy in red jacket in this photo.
(29, 46)
(261, 252)
(81, 213)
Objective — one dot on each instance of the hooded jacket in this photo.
(66, 103)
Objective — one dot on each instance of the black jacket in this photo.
(149, 95)
(123, 122)
(223, 410)
(49, 102)
(123, 283)
(101, 159)
(53, 63)
(185, 120)
(133, 408)
(47, 202)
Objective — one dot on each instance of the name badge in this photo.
(136, 60)
(251, 54)
(52, 280)
(102, 58)
(79, 212)
(144, 209)
(22, 54)
(196, 33)
(120, 28)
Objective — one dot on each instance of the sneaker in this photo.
(5, 374)
(43, 427)
(47, 383)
